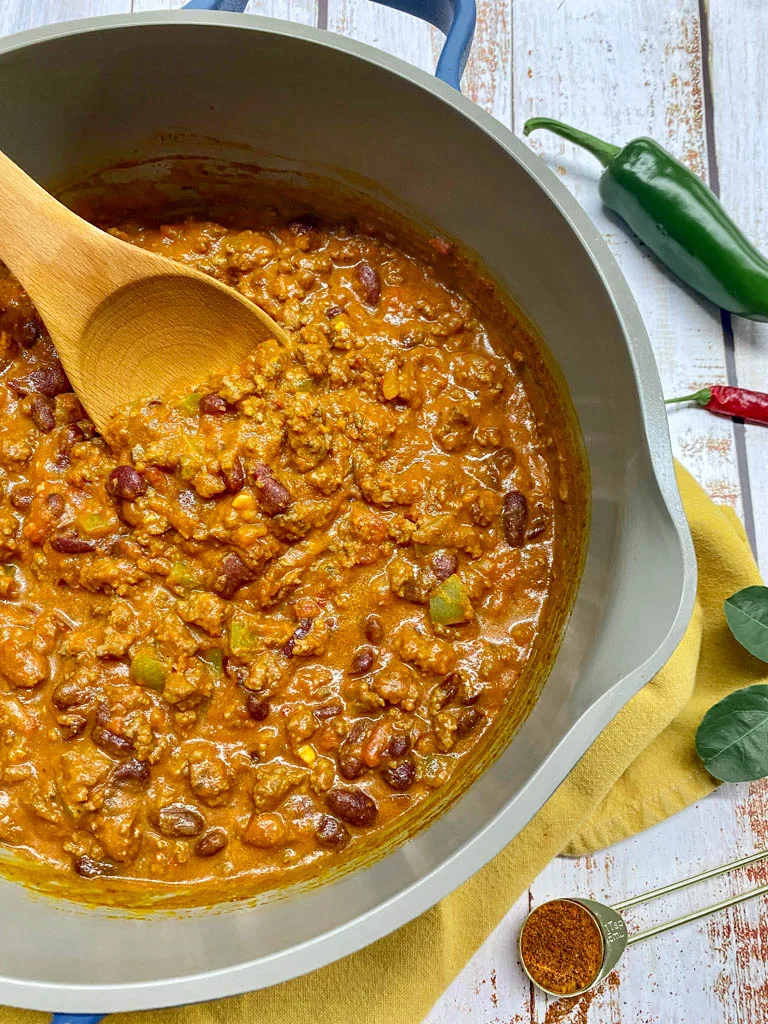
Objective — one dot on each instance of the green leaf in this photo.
(732, 739)
(747, 615)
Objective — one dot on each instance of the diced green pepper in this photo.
(214, 659)
(450, 604)
(183, 575)
(305, 385)
(243, 642)
(147, 669)
(192, 460)
(190, 404)
(9, 569)
(93, 524)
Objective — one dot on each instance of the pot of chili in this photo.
(289, 100)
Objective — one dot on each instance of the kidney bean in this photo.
(41, 411)
(258, 709)
(331, 833)
(126, 483)
(352, 805)
(467, 721)
(49, 380)
(54, 505)
(132, 771)
(274, 498)
(30, 332)
(362, 661)
(399, 745)
(69, 694)
(327, 711)
(514, 518)
(374, 628)
(447, 690)
(112, 743)
(180, 820)
(234, 476)
(21, 497)
(211, 842)
(358, 732)
(371, 283)
(299, 633)
(333, 311)
(444, 564)
(212, 405)
(351, 766)
(232, 575)
(400, 776)
(87, 867)
(67, 542)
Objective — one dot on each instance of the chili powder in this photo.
(561, 947)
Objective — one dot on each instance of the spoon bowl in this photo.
(125, 322)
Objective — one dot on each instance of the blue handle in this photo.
(77, 1018)
(455, 18)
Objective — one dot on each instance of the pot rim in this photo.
(424, 893)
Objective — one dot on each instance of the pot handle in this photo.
(77, 1018)
(455, 18)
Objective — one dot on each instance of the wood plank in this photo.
(301, 11)
(740, 124)
(619, 71)
(18, 15)
(400, 34)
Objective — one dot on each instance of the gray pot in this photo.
(80, 96)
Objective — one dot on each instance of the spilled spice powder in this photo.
(561, 947)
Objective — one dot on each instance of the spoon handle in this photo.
(682, 883)
(729, 901)
(54, 254)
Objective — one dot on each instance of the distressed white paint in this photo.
(618, 70)
(302, 11)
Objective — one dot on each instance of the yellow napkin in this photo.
(640, 770)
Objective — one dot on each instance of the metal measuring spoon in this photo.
(613, 928)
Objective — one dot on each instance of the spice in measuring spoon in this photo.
(561, 947)
(568, 945)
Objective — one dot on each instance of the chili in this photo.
(678, 218)
(728, 401)
(561, 947)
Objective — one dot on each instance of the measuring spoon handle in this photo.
(633, 901)
(729, 901)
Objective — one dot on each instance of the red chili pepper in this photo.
(749, 405)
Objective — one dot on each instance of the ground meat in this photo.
(219, 666)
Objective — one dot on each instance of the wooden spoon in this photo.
(125, 322)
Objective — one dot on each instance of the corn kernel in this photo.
(243, 500)
(249, 515)
(307, 753)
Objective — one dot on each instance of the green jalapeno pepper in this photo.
(678, 218)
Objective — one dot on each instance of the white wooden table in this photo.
(691, 73)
